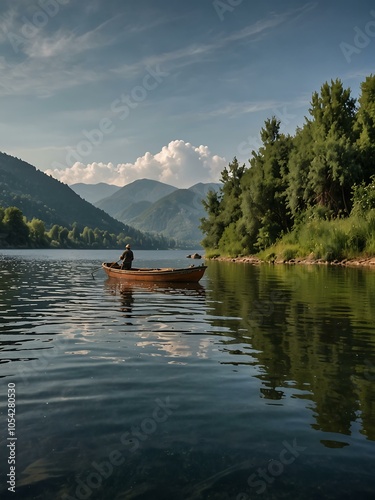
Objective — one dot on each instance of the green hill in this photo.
(41, 196)
(176, 215)
(132, 211)
(135, 192)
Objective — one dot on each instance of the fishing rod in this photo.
(96, 269)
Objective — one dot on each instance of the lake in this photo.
(258, 382)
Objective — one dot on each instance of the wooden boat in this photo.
(165, 274)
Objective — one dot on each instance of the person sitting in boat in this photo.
(127, 257)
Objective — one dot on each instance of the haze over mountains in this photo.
(153, 206)
(94, 192)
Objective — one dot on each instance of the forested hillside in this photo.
(37, 210)
(313, 192)
(16, 231)
(41, 196)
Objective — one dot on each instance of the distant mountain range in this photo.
(144, 191)
(155, 207)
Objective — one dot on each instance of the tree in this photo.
(18, 231)
(63, 236)
(264, 206)
(37, 232)
(224, 208)
(211, 226)
(231, 192)
(366, 127)
(334, 167)
(53, 233)
(107, 239)
(88, 236)
(74, 233)
(298, 191)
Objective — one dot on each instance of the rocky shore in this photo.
(358, 262)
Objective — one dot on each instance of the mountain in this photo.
(156, 207)
(134, 210)
(94, 192)
(41, 196)
(176, 216)
(142, 190)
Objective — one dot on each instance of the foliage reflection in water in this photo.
(257, 381)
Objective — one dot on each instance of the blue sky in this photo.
(115, 90)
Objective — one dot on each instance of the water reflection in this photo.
(252, 357)
(298, 327)
(127, 291)
(169, 326)
(309, 334)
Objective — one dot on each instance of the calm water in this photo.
(257, 383)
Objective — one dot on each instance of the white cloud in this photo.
(179, 163)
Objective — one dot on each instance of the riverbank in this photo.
(250, 259)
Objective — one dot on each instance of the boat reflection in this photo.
(115, 286)
(127, 291)
(127, 301)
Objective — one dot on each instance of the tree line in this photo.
(313, 191)
(18, 232)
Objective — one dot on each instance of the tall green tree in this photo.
(223, 208)
(231, 192)
(211, 225)
(334, 167)
(264, 206)
(366, 127)
(298, 191)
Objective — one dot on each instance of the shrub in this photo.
(289, 253)
(229, 242)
